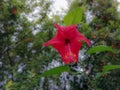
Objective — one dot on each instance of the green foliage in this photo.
(111, 67)
(56, 71)
(9, 85)
(73, 17)
(100, 48)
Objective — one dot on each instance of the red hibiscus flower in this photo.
(67, 42)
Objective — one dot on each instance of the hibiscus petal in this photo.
(51, 42)
(70, 32)
(81, 38)
(77, 43)
(60, 31)
(58, 38)
(75, 46)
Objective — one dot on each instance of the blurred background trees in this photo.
(26, 25)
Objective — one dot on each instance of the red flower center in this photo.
(67, 41)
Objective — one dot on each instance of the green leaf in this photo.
(98, 75)
(100, 48)
(55, 71)
(110, 67)
(73, 17)
(52, 72)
